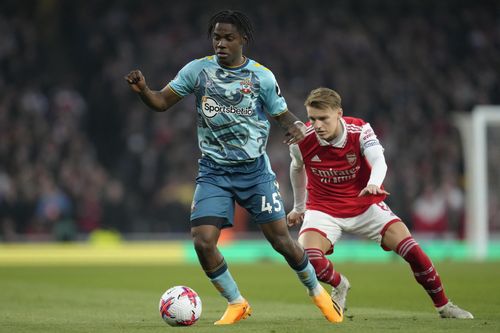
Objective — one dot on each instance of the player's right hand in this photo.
(295, 133)
(294, 218)
(136, 80)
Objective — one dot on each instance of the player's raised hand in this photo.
(294, 218)
(371, 189)
(295, 132)
(136, 80)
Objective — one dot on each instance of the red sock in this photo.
(423, 270)
(323, 267)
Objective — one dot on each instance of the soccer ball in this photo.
(180, 306)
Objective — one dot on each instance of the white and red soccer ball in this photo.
(180, 306)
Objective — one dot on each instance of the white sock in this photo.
(442, 307)
(240, 299)
(316, 290)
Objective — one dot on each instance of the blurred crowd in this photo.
(79, 151)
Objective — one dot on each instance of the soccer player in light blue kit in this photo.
(232, 95)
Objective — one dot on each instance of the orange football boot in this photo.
(330, 309)
(235, 313)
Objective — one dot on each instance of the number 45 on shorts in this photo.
(275, 205)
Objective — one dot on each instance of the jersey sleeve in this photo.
(376, 159)
(184, 82)
(296, 155)
(368, 139)
(271, 95)
(374, 153)
(298, 179)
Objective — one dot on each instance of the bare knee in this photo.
(204, 244)
(395, 234)
(204, 239)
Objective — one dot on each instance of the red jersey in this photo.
(337, 171)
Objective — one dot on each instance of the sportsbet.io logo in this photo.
(211, 108)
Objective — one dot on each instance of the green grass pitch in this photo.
(110, 298)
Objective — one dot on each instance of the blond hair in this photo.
(322, 98)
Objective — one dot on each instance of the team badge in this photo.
(351, 158)
(246, 86)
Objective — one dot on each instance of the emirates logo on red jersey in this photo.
(351, 158)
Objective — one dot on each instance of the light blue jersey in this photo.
(231, 105)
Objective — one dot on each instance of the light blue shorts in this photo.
(252, 185)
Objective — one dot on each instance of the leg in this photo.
(205, 244)
(278, 235)
(213, 209)
(398, 238)
(316, 245)
(266, 207)
(205, 238)
(318, 233)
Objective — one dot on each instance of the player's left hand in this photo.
(371, 189)
(295, 133)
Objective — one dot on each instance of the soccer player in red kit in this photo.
(340, 166)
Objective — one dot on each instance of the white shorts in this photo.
(371, 224)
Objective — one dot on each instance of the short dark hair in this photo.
(237, 18)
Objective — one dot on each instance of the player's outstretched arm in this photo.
(157, 100)
(295, 129)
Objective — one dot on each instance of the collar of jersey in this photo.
(337, 142)
(235, 67)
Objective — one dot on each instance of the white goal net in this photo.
(480, 132)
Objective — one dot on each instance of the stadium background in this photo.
(79, 151)
(84, 165)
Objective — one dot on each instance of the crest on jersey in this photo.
(246, 86)
(351, 158)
